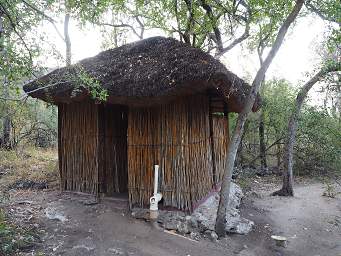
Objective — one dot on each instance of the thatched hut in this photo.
(167, 104)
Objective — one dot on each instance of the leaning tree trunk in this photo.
(235, 140)
(240, 150)
(67, 38)
(287, 188)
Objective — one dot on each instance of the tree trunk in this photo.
(278, 155)
(67, 39)
(234, 143)
(240, 154)
(6, 120)
(262, 146)
(287, 188)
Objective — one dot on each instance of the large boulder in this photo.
(206, 213)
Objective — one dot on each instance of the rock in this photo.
(116, 251)
(211, 235)
(140, 213)
(204, 216)
(237, 224)
(53, 214)
(183, 227)
(171, 224)
(206, 213)
(173, 220)
(195, 236)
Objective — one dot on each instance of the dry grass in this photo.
(39, 165)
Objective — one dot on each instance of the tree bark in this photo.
(240, 151)
(262, 146)
(67, 38)
(287, 187)
(6, 120)
(279, 155)
(235, 140)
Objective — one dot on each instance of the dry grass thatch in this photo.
(149, 71)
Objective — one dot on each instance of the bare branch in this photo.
(137, 18)
(237, 41)
(122, 25)
(213, 20)
(221, 50)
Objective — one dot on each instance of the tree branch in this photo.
(315, 10)
(141, 27)
(237, 41)
(13, 26)
(213, 20)
(123, 25)
(48, 18)
(221, 50)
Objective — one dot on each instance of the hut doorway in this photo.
(113, 168)
(92, 147)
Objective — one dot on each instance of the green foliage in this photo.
(32, 121)
(93, 86)
(318, 148)
(278, 102)
(19, 42)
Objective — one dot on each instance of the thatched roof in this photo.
(146, 72)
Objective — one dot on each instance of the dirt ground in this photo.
(311, 223)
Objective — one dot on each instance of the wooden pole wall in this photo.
(95, 154)
(78, 149)
(177, 137)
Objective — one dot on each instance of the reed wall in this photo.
(78, 146)
(221, 140)
(110, 149)
(177, 137)
(93, 147)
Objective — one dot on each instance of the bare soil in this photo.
(311, 223)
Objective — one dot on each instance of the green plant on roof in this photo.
(93, 86)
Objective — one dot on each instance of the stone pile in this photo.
(202, 221)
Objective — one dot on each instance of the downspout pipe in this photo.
(156, 198)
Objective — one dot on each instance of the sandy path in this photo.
(311, 222)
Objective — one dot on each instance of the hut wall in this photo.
(78, 146)
(177, 137)
(221, 140)
(113, 149)
(93, 147)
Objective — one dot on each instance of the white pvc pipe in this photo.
(155, 199)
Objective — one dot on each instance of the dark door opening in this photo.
(113, 165)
